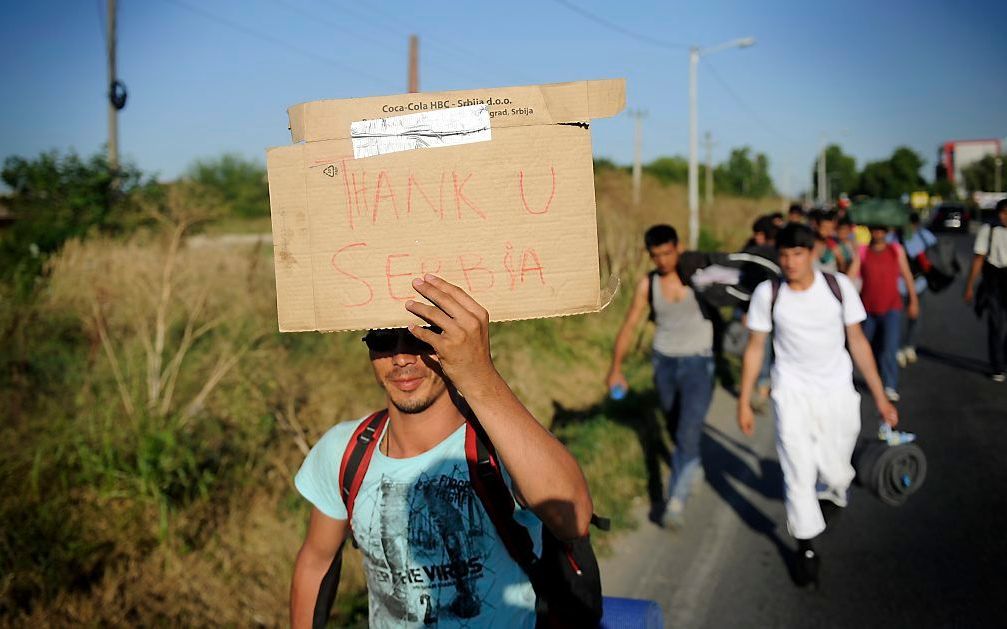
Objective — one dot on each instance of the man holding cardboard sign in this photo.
(432, 551)
(448, 489)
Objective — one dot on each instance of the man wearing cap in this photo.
(431, 554)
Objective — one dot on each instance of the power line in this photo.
(744, 105)
(278, 42)
(619, 29)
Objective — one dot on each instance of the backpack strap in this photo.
(830, 279)
(774, 284)
(650, 295)
(833, 283)
(357, 458)
(488, 484)
(352, 469)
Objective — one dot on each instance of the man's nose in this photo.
(401, 357)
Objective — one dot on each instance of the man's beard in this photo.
(413, 406)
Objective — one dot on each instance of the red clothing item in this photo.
(880, 272)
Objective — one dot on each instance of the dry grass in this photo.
(160, 466)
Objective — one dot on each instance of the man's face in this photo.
(759, 238)
(410, 375)
(827, 228)
(664, 257)
(1003, 217)
(843, 232)
(878, 235)
(796, 262)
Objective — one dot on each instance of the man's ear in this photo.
(681, 247)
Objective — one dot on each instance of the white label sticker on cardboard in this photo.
(429, 129)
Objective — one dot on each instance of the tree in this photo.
(57, 197)
(981, 176)
(241, 183)
(669, 169)
(893, 177)
(744, 176)
(840, 172)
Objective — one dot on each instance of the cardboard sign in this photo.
(491, 189)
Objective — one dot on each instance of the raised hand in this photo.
(462, 346)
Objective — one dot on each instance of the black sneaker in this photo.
(806, 569)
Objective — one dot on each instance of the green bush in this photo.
(240, 183)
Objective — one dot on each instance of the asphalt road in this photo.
(937, 561)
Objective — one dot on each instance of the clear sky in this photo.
(212, 76)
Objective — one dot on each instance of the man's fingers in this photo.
(440, 299)
(430, 314)
(459, 295)
(429, 337)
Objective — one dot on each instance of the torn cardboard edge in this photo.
(606, 297)
(553, 103)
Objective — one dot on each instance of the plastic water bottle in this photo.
(617, 392)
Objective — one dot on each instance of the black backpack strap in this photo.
(833, 283)
(650, 295)
(352, 469)
(774, 284)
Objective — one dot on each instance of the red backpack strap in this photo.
(357, 457)
(496, 498)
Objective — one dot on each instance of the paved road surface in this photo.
(938, 561)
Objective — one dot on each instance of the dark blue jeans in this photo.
(889, 325)
(685, 388)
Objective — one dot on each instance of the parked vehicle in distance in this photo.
(951, 217)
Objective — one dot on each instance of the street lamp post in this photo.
(694, 55)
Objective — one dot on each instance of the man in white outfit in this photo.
(814, 318)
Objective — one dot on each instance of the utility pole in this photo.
(693, 149)
(113, 111)
(997, 167)
(637, 115)
(823, 183)
(695, 52)
(414, 64)
(708, 143)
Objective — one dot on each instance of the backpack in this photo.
(833, 284)
(566, 578)
(752, 266)
(937, 263)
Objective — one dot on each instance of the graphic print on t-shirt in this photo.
(431, 573)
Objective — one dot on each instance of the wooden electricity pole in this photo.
(113, 112)
(638, 117)
(414, 64)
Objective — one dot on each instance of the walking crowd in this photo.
(845, 294)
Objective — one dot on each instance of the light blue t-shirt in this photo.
(431, 554)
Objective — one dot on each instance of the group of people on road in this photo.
(461, 502)
(847, 294)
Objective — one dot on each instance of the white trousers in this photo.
(815, 437)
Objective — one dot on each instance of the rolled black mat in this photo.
(892, 473)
